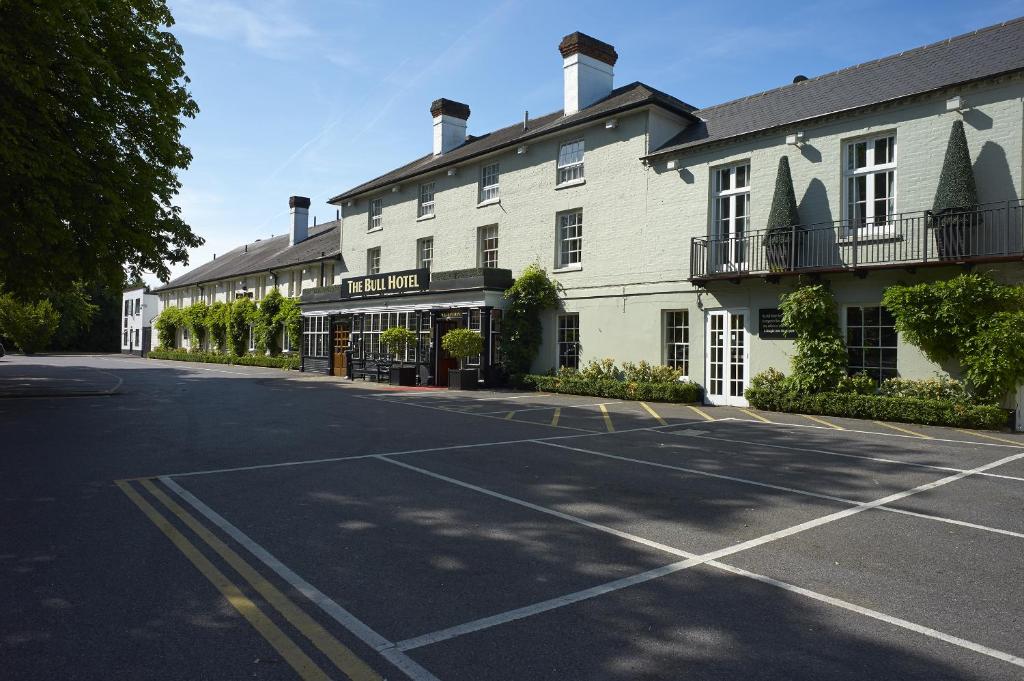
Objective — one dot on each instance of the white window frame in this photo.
(676, 340)
(562, 346)
(375, 214)
(286, 341)
(729, 228)
(863, 346)
(868, 223)
(490, 179)
(373, 260)
(314, 333)
(569, 239)
(425, 252)
(570, 162)
(425, 207)
(487, 246)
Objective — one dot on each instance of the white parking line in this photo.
(867, 432)
(898, 462)
(710, 558)
(781, 488)
(339, 614)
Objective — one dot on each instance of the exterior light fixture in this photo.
(350, 203)
(611, 124)
(795, 138)
(452, 171)
(521, 149)
(955, 103)
(672, 165)
(397, 188)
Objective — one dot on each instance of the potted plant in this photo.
(782, 222)
(395, 340)
(955, 215)
(462, 344)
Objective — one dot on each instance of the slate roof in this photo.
(263, 255)
(621, 99)
(984, 53)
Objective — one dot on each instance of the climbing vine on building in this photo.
(820, 360)
(531, 293)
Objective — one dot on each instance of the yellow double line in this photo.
(340, 655)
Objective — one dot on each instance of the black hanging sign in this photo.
(769, 325)
(390, 283)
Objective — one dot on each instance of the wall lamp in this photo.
(673, 164)
(521, 149)
(956, 103)
(452, 171)
(611, 124)
(795, 138)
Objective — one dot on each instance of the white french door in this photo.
(727, 354)
(731, 213)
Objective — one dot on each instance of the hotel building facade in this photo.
(650, 214)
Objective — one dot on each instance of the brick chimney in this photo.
(299, 206)
(587, 69)
(449, 124)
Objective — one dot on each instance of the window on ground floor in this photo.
(676, 324)
(314, 336)
(569, 341)
(871, 341)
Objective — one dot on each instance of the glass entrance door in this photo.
(727, 355)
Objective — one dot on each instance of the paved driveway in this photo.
(269, 525)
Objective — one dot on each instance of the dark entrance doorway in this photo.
(444, 360)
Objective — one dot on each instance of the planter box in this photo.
(462, 379)
(403, 376)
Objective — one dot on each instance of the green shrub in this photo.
(267, 326)
(286, 362)
(167, 324)
(858, 384)
(240, 317)
(289, 316)
(596, 369)
(30, 326)
(577, 384)
(820, 359)
(217, 320)
(650, 373)
(532, 293)
(774, 392)
(938, 388)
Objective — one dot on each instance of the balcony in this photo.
(989, 233)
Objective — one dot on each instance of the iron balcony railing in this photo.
(987, 233)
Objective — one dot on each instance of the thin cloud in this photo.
(263, 27)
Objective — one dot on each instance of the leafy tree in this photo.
(782, 217)
(532, 293)
(29, 325)
(397, 339)
(243, 312)
(76, 310)
(94, 93)
(820, 359)
(463, 344)
(289, 316)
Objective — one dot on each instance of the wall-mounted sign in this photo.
(391, 283)
(452, 314)
(769, 325)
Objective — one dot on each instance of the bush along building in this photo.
(674, 232)
(303, 258)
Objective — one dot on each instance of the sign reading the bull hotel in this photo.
(651, 213)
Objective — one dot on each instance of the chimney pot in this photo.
(587, 70)
(299, 206)
(449, 124)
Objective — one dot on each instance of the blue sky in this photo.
(313, 97)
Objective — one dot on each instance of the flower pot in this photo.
(402, 376)
(462, 379)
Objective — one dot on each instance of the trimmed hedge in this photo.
(875, 407)
(673, 391)
(283, 362)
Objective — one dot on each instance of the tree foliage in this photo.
(462, 343)
(396, 340)
(76, 310)
(782, 218)
(289, 316)
(532, 293)
(820, 359)
(240, 317)
(194, 318)
(167, 324)
(217, 319)
(29, 325)
(268, 323)
(94, 93)
(970, 319)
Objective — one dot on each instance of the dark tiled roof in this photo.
(621, 99)
(263, 255)
(984, 53)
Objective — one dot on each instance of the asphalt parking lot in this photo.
(371, 533)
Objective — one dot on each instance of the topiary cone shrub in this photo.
(955, 209)
(782, 222)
